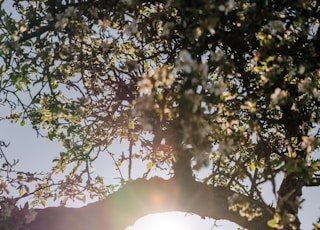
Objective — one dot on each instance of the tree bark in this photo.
(141, 197)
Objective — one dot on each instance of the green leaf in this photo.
(131, 124)
(315, 226)
(149, 165)
(64, 201)
(19, 86)
(81, 198)
(22, 122)
(27, 189)
(43, 202)
(272, 223)
(21, 190)
(252, 166)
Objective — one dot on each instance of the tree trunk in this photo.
(141, 197)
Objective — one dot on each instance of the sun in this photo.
(161, 221)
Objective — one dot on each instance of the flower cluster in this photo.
(131, 28)
(30, 216)
(279, 96)
(168, 26)
(9, 212)
(226, 146)
(197, 138)
(227, 6)
(151, 84)
(309, 143)
(6, 210)
(186, 64)
(63, 18)
(237, 203)
(126, 2)
(155, 79)
(218, 88)
(305, 86)
(276, 27)
(143, 108)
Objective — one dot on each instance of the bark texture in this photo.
(141, 197)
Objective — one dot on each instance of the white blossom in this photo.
(61, 22)
(105, 45)
(263, 79)
(163, 77)
(145, 85)
(142, 108)
(204, 69)
(212, 30)
(226, 146)
(309, 143)
(250, 106)
(126, 2)
(316, 94)
(278, 96)
(198, 32)
(105, 23)
(4, 49)
(23, 28)
(94, 11)
(146, 124)
(185, 56)
(201, 160)
(233, 199)
(30, 216)
(228, 126)
(276, 26)
(4, 186)
(143, 104)
(227, 7)
(195, 99)
(304, 85)
(217, 56)
(218, 88)
(131, 28)
(6, 211)
(185, 62)
(301, 69)
(131, 65)
(48, 17)
(71, 11)
(167, 28)
(155, 78)
(81, 110)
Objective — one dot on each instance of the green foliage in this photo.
(235, 85)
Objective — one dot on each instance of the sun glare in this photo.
(162, 221)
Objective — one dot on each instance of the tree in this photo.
(231, 87)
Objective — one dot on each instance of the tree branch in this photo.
(141, 197)
(314, 182)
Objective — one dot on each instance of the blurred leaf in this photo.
(252, 166)
(21, 191)
(149, 165)
(64, 201)
(43, 202)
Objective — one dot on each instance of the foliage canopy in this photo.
(231, 85)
